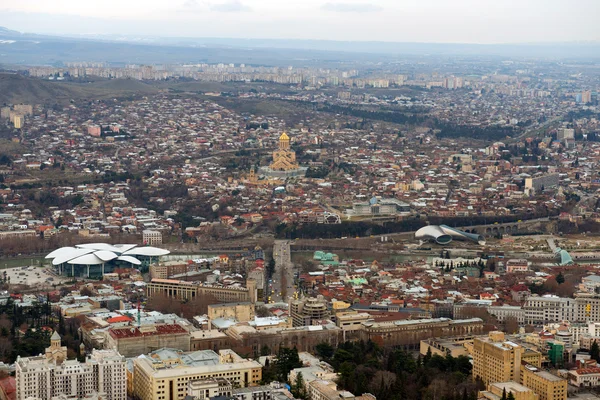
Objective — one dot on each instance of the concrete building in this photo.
(51, 376)
(191, 290)
(242, 312)
(497, 389)
(203, 389)
(542, 182)
(165, 374)
(456, 346)
(543, 383)
(305, 312)
(18, 121)
(587, 377)
(543, 309)
(377, 207)
(152, 238)
(498, 360)
(133, 341)
(504, 312)
(249, 340)
(409, 333)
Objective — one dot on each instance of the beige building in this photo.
(520, 392)
(48, 377)
(543, 383)
(498, 360)
(211, 387)
(133, 341)
(242, 312)
(284, 159)
(152, 238)
(350, 321)
(585, 377)
(18, 121)
(166, 373)
(308, 310)
(456, 346)
(191, 290)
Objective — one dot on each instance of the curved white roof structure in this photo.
(443, 234)
(146, 251)
(100, 253)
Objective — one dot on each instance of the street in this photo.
(283, 277)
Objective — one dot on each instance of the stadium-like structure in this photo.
(443, 234)
(96, 259)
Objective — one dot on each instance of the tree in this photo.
(324, 350)
(560, 279)
(504, 394)
(287, 360)
(510, 396)
(595, 351)
(298, 390)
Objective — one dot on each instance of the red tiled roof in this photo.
(121, 318)
(129, 332)
(9, 387)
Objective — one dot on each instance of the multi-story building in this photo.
(165, 374)
(204, 389)
(543, 383)
(52, 376)
(308, 310)
(517, 265)
(498, 360)
(183, 290)
(543, 309)
(586, 376)
(151, 237)
(409, 333)
(542, 182)
(242, 312)
(504, 312)
(375, 207)
(133, 341)
(496, 390)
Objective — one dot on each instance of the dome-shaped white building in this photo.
(443, 234)
(96, 259)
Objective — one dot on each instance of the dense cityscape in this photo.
(299, 224)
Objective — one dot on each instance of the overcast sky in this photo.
(441, 21)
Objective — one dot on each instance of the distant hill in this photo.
(15, 88)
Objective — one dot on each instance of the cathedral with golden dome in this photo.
(284, 161)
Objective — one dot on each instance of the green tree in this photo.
(298, 390)
(324, 350)
(510, 396)
(595, 351)
(504, 394)
(287, 360)
(560, 279)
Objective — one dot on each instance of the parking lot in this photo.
(32, 276)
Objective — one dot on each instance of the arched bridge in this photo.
(507, 227)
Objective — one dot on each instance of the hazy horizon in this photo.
(423, 21)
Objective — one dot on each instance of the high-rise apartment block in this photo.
(498, 360)
(51, 376)
(306, 311)
(169, 374)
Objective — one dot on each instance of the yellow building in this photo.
(498, 360)
(284, 159)
(18, 121)
(456, 346)
(520, 392)
(242, 312)
(544, 384)
(164, 374)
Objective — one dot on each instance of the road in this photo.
(283, 277)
